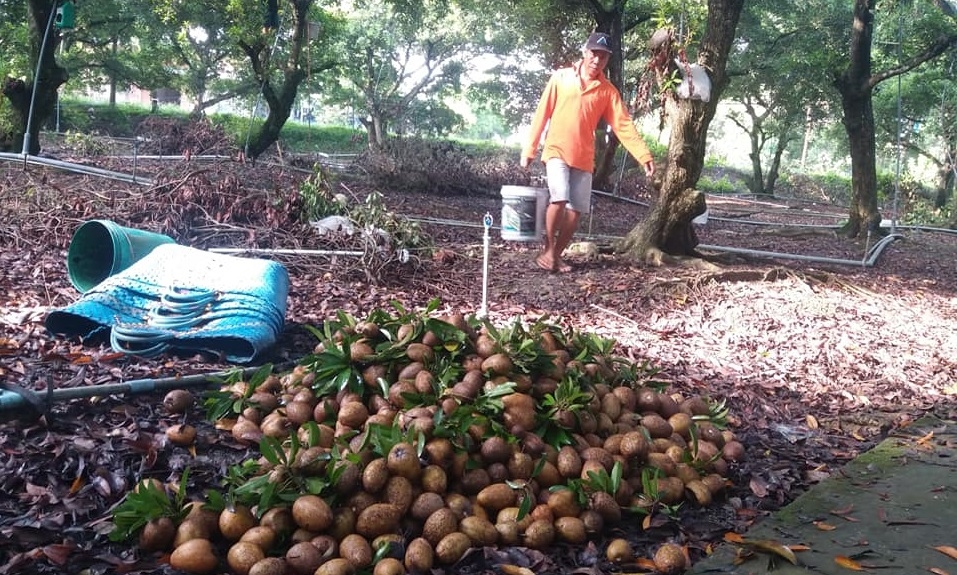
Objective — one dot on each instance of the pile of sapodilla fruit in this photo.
(432, 502)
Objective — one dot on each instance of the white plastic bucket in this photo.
(523, 213)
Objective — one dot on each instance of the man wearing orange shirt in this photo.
(573, 102)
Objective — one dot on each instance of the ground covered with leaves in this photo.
(817, 352)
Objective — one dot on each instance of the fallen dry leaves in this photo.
(817, 361)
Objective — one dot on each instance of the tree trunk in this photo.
(774, 170)
(854, 85)
(756, 183)
(279, 99)
(668, 229)
(50, 77)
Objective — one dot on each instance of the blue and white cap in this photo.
(599, 41)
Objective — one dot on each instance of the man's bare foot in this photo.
(543, 262)
(563, 268)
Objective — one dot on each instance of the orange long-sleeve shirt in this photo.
(570, 109)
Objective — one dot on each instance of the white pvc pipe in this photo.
(75, 168)
(286, 251)
(487, 222)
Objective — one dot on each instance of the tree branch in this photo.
(942, 44)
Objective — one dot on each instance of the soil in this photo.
(817, 353)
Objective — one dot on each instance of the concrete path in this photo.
(888, 511)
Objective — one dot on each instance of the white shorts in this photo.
(567, 184)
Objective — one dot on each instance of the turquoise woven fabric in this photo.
(182, 299)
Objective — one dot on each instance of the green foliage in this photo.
(220, 404)
(719, 186)
(147, 502)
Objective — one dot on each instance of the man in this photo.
(573, 102)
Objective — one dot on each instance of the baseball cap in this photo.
(599, 41)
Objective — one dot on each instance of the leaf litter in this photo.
(817, 362)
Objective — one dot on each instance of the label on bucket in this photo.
(518, 218)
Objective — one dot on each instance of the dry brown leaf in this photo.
(811, 421)
(516, 570)
(821, 525)
(843, 510)
(799, 547)
(848, 563)
(732, 537)
(759, 487)
(923, 440)
(947, 550)
(769, 546)
(937, 571)
(645, 563)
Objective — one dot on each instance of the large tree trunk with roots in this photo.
(668, 228)
(49, 79)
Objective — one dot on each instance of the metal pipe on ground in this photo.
(30, 402)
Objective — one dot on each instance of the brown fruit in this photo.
(716, 483)
(496, 496)
(733, 451)
(279, 519)
(571, 529)
(657, 426)
(343, 522)
(564, 503)
(356, 549)
(620, 551)
(389, 566)
(480, 531)
(378, 519)
(426, 504)
(242, 556)
(235, 521)
(191, 528)
(495, 449)
(498, 364)
(485, 346)
(420, 352)
(434, 479)
(670, 559)
(606, 506)
(337, 566)
(398, 492)
(304, 558)
(360, 351)
(299, 412)
(404, 461)
(569, 462)
(699, 492)
(695, 405)
(442, 522)
(353, 415)
(312, 513)
(194, 556)
(452, 547)
(419, 556)
(178, 401)
(157, 534)
(594, 524)
(269, 566)
(681, 424)
(261, 536)
(540, 534)
(509, 533)
(182, 434)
